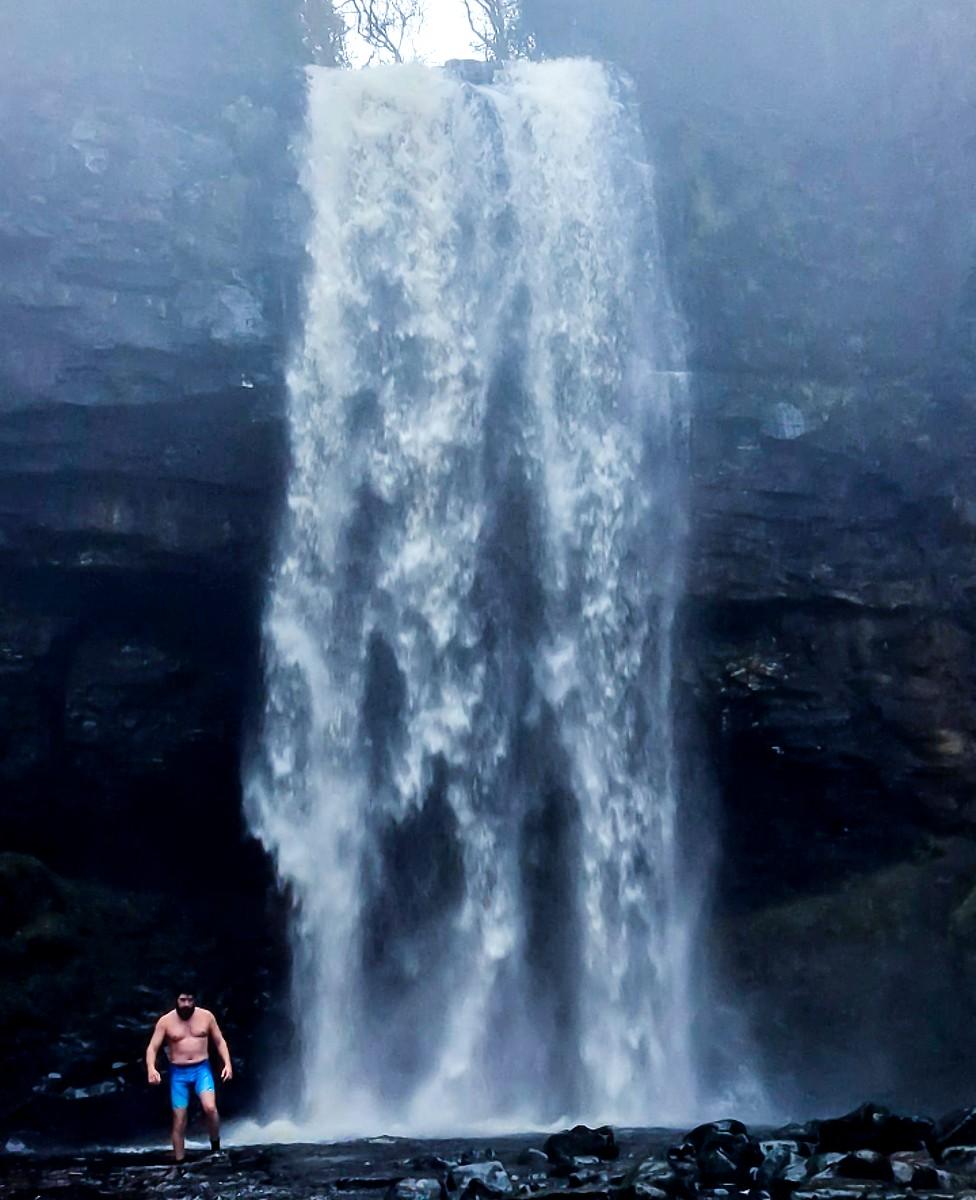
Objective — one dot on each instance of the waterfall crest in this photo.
(466, 770)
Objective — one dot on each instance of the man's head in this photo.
(185, 1004)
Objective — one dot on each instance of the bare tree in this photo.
(495, 24)
(382, 25)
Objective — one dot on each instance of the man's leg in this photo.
(179, 1134)
(179, 1098)
(208, 1102)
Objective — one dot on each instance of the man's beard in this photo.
(185, 1011)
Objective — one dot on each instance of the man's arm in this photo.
(152, 1050)
(222, 1049)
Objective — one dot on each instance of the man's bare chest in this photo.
(186, 1032)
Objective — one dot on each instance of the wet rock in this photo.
(864, 1164)
(703, 1133)
(961, 1160)
(647, 1191)
(651, 1175)
(432, 1163)
(778, 1158)
(957, 1128)
(873, 1127)
(472, 1180)
(533, 1157)
(932, 1179)
(851, 1190)
(683, 1160)
(589, 1179)
(769, 1145)
(581, 1141)
(28, 892)
(822, 1161)
(796, 1172)
(106, 1088)
(725, 1153)
(415, 1189)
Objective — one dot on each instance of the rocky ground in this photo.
(863, 1155)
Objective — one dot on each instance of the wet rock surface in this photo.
(722, 1160)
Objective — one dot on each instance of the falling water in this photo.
(466, 770)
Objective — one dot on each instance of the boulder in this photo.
(864, 1164)
(415, 1189)
(725, 1153)
(471, 1180)
(796, 1172)
(823, 1161)
(581, 1141)
(778, 1158)
(933, 1179)
(957, 1128)
(873, 1127)
(683, 1160)
(704, 1133)
(960, 1159)
(650, 1179)
(910, 1167)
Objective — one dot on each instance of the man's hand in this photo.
(227, 1073)
(152, 1050)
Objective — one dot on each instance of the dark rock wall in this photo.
(815, 169)
(150, 261)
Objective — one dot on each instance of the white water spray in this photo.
(467, 767)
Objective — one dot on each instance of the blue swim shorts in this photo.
(181, 1079)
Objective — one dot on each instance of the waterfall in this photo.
(466, 768)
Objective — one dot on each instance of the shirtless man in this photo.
(186, 1030)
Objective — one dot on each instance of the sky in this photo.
(444, 34)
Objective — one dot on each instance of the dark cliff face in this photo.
(815, 170)
(149, 265)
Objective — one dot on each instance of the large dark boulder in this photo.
(725, 1153)
(581, 1141)
(874, 1128)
